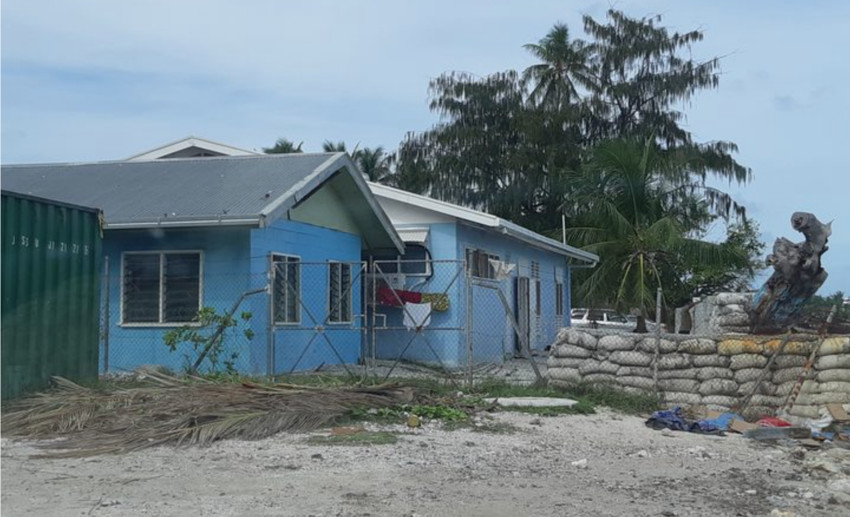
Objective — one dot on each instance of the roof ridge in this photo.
(167, 160)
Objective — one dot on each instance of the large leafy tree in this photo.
(506, 142)
(630, 192)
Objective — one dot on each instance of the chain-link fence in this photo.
(449, 319)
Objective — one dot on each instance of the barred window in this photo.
(161, 287)
(339, 292)
(559, 299)
(287, 289)
(479, 263)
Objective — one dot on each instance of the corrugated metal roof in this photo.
(173, 191)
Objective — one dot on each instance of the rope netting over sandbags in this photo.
(720, 373)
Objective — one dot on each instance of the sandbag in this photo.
(562, 362)
(614, 342)
(634, 381)
(766, 400)
(681, 373)
(837, 374)
(718, 361)
(673, 362)
(748, 375)
(640, 371)
(572, 351)
(732, 299)
(733, 319)
(784, 375)
(698, 346)
(805, 411)
(570, 375)
(835, 345)
(720, 400)
(832, 361)
(600, 378)
(741, 361)
(591, 366)
(665, 346)
(839, 387)
(678, 385)
(762, 388)
(577, 337)
(631, 358)
(707, 373)
(681, 398)
(718, 387)
(787, 361)
(732, 308)
(823, 398)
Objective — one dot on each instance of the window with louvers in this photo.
(339, 292)
(287, 289)
(160, 287)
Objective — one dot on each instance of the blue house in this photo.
(330, 269)
(506, 286)
(276, 240)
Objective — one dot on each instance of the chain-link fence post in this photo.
(105, 329)
(270, 342)
(469, 319)
(657, 341)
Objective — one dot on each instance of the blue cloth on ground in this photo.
(721, 422)
(674, 419)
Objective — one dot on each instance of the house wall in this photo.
(235, 261)
(225, 267)
(441, 342)
(493, 336)
(298, 346)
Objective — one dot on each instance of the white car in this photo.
(606, 319)
(599, 318)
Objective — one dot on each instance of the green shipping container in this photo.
(51, 262)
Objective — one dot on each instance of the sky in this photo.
(101, 80)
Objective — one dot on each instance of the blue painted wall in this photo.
(225, 263)
(300, 347)
(236, 260)
(440, 342)
(493, 338)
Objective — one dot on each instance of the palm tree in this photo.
(564, 67)
(333, 147)
(635, 202)
(375, 163)
(283, 146)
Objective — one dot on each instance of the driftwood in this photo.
(797, 276)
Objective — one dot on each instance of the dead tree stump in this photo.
(797, 276)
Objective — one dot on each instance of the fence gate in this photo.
(418, 312)
(318, 315)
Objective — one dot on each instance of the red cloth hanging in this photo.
(397, 297)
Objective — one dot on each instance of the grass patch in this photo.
(362, 438)
(584, 407)
(608, 396)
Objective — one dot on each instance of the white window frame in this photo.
(298, 305)
(162, 254)
(350, 293)
(491, 273)
(399, 260)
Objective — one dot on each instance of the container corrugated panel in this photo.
(51, 263)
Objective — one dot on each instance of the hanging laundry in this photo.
(397, 297)
(417, 315)
(439, 301)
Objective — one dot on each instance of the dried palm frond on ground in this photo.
(192, 411)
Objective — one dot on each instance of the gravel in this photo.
(604, 464)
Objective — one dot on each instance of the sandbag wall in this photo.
(716, 372)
